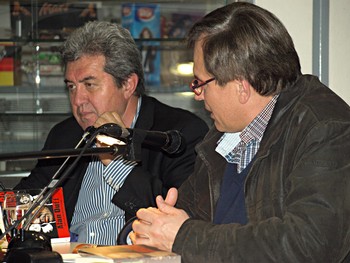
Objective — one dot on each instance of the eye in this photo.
(70, 86)
(89, 85)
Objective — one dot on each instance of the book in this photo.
(51, 220)
(129, 253)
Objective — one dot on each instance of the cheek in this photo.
(73, 106)
(111, 101)
(221, 110)
(214, 103)
(99, 104)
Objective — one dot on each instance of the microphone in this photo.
(171, 142)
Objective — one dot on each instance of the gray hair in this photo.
(113, 42)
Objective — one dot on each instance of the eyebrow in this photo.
(196, 77)
(80, 81)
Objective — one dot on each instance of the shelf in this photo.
(25, 113)
(37, 98)
(25, 41)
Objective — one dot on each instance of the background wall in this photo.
(297, 17)
(339, 48)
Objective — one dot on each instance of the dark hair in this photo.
(113, 42)
(244, 41)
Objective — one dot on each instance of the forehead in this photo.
(86, 65)
(198, 59)
(87, 61)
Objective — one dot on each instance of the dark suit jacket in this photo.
(156, 173)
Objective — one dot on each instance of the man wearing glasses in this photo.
(271, 180)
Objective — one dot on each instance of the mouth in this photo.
(84, 114)
(88, 117)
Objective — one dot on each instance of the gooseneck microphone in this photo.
(171, 142)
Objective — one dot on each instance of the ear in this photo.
(130, 85)
(244, 91)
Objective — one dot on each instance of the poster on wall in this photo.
(143, 22)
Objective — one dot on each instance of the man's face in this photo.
(92, 91)
(221, 101)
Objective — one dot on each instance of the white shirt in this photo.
(96, 220)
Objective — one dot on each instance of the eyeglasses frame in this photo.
(194, 87)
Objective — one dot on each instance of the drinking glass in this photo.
(15, 206)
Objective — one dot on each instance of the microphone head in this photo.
(109, 129)
(176, 144)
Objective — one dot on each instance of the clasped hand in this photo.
(107, 117)
(157, 227)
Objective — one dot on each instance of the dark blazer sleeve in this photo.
(159, 171)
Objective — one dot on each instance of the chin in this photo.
(84, 125)
(218, 127)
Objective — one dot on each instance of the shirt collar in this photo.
(254, 131)
(139, 101)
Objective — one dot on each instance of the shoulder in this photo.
(70, 122)
(64, 134)
(309, 112)
(312, 100)
(173, 116)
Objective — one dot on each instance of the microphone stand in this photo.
(18, 241)
(60, 153)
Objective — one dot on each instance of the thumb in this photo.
(171, 196)
(163, 206)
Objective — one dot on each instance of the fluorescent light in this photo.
(185, 69)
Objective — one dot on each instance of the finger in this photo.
(171, 196)
(132, 237)
(137, 240)
(100, 121)
(104, 118)
(139, 230)
(145, 215)
(163, 206)
(109, 117)
(118, 120)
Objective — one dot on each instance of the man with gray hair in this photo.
(105, 81)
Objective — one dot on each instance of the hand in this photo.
(158, 227)
(107, 117)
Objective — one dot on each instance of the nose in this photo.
(79, 96)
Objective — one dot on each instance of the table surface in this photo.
(64, 248)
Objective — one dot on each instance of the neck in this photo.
(130, 111)
(256, 106)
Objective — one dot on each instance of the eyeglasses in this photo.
(197, 85)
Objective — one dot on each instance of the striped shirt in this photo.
(96, 220)
(241, 147)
